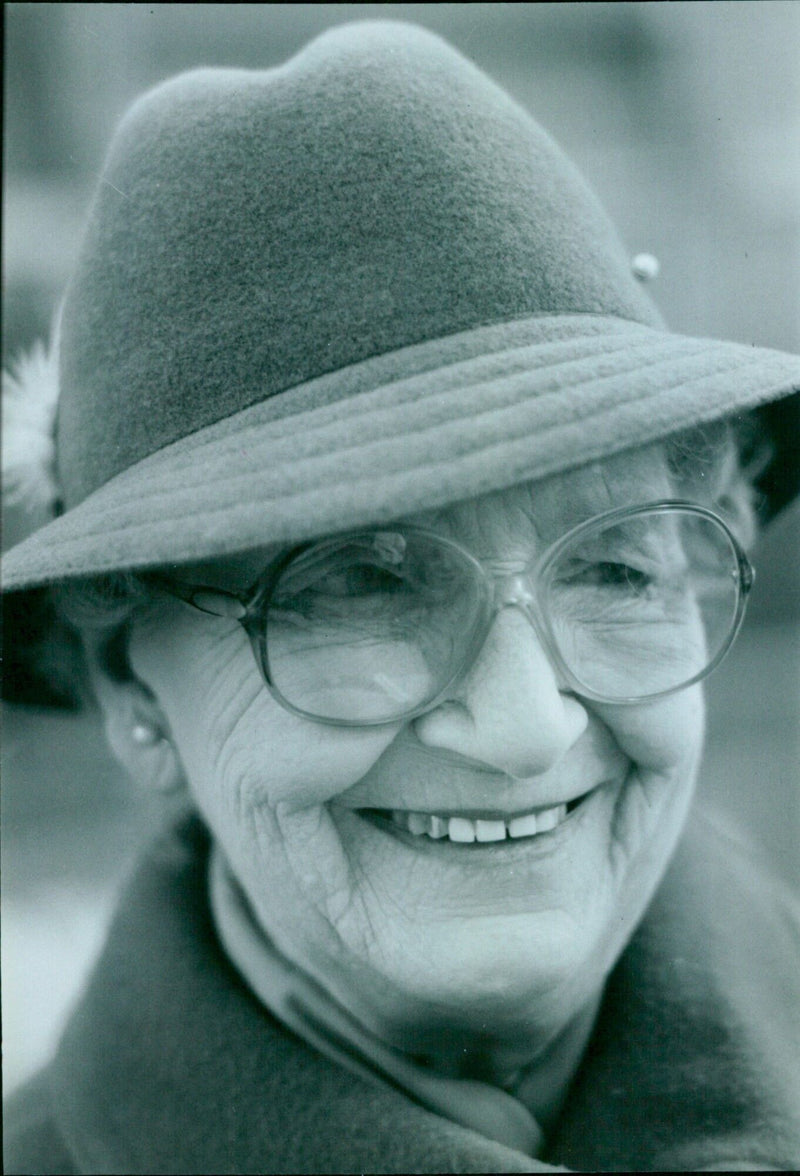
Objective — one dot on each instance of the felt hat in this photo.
(343, 290)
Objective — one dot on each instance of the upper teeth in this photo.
(466, 830)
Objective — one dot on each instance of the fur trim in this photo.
(30, 400)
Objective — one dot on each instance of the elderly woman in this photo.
(400, 534)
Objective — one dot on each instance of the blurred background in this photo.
(686, 119)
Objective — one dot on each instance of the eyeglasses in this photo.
(380, 625)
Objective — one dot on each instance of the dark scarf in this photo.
(171, 1065)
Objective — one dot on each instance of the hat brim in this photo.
(429, 425)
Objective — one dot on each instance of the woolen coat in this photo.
(171, 1065)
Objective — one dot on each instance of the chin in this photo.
(532, 973)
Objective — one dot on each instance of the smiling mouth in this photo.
(466, 830)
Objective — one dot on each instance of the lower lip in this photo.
(539, 843)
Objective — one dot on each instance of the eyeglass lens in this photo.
(643, 606)
(372, 627)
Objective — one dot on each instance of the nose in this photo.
(509, 712)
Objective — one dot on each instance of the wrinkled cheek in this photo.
(661, 737)
(663, 742)
(203, 681)
(646, 825)
(319, 889)
(288, 859)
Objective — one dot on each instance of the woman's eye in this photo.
(358, 580)
(608, 574)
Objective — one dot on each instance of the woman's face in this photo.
(418, 933)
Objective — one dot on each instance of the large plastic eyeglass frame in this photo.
(251, 607)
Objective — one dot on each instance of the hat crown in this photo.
(256, 229)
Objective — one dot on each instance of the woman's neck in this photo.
(539, 1077)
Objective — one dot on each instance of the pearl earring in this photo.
(145, 734)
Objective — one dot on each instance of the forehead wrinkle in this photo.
(628, 479)
(527, 517)
(493, 525)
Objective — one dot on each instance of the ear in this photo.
(136, 728)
